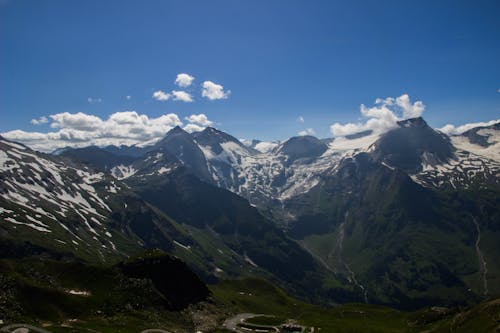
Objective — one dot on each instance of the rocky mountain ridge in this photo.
(356, 208)
(430, 157)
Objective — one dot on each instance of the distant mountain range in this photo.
(410, 217)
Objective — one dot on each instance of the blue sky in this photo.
(280, 59)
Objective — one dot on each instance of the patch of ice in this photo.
(123, 171)
(31, 225)
(186, 247)
(78, 292)
(163, 170)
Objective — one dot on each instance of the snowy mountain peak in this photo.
(278, 171)
(177, 130)
(484, 136)
(213, 138)
(409, 145)
(306, 146)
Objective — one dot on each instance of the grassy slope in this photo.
(35, 290)
(241, 232)
(259, 296)
(405, 243)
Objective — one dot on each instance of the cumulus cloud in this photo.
(80, 130)
(78, 121)
(184, 80)
(197, 123)
(209, 90)
(181, 96)
(176, 95)
(300, 119)
(410, 110)
(161, 95)
(190, 128)
(308, 131)
(456, 130)
(382, 116)
(200, 119)
(40, 121)
(214, 91)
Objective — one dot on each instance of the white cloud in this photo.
(308, 131)
(176, 95)
(77, 121)
(161, 95)
(94, 100)
(200, 119)
(382, 116)
(190, 128)
(181, 96)
(300, 119)
(410, 110)
(40, 121)
(184, 80)
(453, 130)
(128, 97)
(197, 123)
(80, 130)
(214, 91)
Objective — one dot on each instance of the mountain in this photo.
(366, 204)
(484, 136)
(102, 159)
(302, 147)
(403, 244)
(230, 237)
(411, 145)
(395, 218)
(405, 218)
(215, 140)
(180, 144)
(475, 162)
(50, 204)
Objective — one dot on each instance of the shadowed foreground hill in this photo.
(35, 288)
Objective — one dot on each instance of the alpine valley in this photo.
(198, 226)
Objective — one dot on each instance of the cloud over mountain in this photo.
(129, 127)
(456, 130)
(382, 116)
(200, 119)
(197, 123)
(80, 129)
(308, 131)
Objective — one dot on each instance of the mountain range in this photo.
(407, 218)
